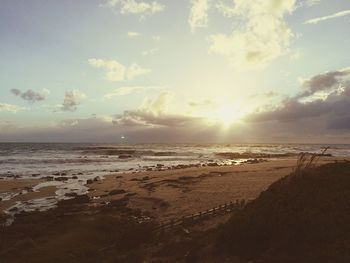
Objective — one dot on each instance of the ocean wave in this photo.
(56, 161)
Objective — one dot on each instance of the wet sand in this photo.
(22, 190)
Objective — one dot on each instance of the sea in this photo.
(69, 166)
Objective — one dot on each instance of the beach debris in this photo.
(185, 230)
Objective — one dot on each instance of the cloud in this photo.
(30, 95)
(203, 103)
(268, 94)
(305, 117)
(102, 129)
(93, 129)
(135, 7)
(16, 92)
(311, 2)
(156, 38)
(154, 112)
(262, 36)
(135, 70)
(85, 123)
(307, 3)
(71, 100)
(150, 52)
(11, 108)
(292, 121)
(133, 34)
(340, 123)
(291, 110)
(122, 91)
(332, 108)
(7, 126)
(151, 119)
(296, 54)
(116, 71)
(198, 14)
(324, 18)
(159, 104)
(324, 82)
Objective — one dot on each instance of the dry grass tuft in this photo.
(307, 161)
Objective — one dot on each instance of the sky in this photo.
(201, 71)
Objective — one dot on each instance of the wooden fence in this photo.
(193, 218)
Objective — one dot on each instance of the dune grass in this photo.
(300, 218)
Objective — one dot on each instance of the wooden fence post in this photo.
(219, 210)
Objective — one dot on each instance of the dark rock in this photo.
(49, 178)
(71, 194)
(13, 209)
(63, 178)
(125, 156)
(130, 194)
(80, 199)
(117, 192)
(119, 203)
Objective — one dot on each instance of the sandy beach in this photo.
(175, 193)
(169, 193)
(128, 207)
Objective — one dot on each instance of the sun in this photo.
(228, 114)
